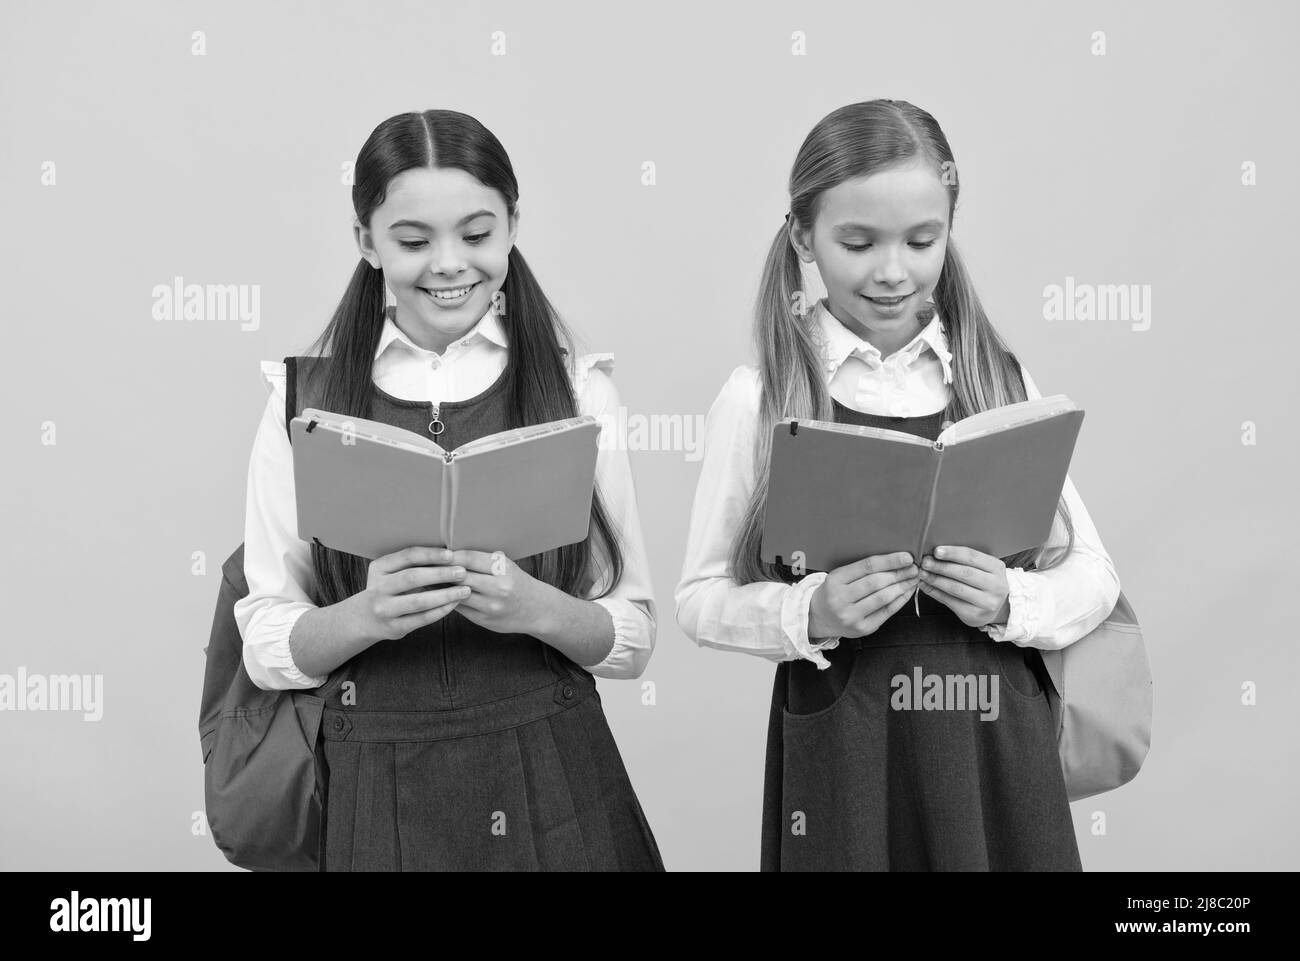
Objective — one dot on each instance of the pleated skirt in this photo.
(527, 781)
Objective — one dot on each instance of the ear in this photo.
(801, 241)
(514, 224)
(365, 243)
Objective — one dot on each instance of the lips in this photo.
(888, 301)
(449, 294)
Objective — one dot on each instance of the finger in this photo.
(417, 578)
(866, 586)
(979, 579)
(955, 604)
(404, 604)
(484, 585)
(954, 587)
(411, 557)
(882, 597)
(968, 556)
(422, 618)
(481, 603)
(873, 565)
(874, 619)
(480, 561)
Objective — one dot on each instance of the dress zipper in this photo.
(436, 427)
(446, 667)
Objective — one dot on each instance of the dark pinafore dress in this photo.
(852, 783)
(459, 748)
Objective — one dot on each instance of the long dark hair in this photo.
(856, 141)
(538, 386)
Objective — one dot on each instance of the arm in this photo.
(1053, 609)
(277, 618)
(615, 634)
(768, 619)
(630, 605)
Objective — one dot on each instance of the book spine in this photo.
(929, 516)
(447, 522)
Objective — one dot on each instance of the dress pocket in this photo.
(825, 763)
(811, 692)
(1020, 669)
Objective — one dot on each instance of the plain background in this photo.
(225, 169)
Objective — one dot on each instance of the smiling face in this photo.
(443, 240)
(879, 244)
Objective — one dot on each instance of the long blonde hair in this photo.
(856, 141)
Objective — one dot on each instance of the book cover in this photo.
(838, 493)
(368, 488)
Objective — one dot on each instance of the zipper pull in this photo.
(436, 426)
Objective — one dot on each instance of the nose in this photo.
(449, 259)
(889, 270)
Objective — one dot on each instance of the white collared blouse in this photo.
(278, 564)
(1048, 609)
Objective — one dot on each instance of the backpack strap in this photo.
(290, 394)
(302, 387)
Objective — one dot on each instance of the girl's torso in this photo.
(452, 663)
(860, 777)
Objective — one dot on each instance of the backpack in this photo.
(1101, 698)
(263, 767)
(263, 783)
(1100, 695)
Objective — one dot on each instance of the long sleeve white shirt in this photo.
(1048, 609)
(278, 564)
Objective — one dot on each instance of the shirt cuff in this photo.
(630, 653)
(1026, 603)
(273, 660)
(794, 623)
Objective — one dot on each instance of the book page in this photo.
(507, 438)
(882, 433)
(1001, 418)
(373, 430)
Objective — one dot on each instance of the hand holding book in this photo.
(857, 598)
(970, 583)
(503, 596)
(398, 598)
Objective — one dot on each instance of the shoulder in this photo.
(588, 368)
(741, 394)
(593, 383)
(273, 377)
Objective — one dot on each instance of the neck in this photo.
(427, 336)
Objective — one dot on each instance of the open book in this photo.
(369, 488)
(841, 492)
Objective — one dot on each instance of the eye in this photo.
(919, 245)
(469, 238)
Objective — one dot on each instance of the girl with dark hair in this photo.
(901, 342)
(462, 728)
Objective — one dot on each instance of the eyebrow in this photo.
(421, 225)
(933, 224)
